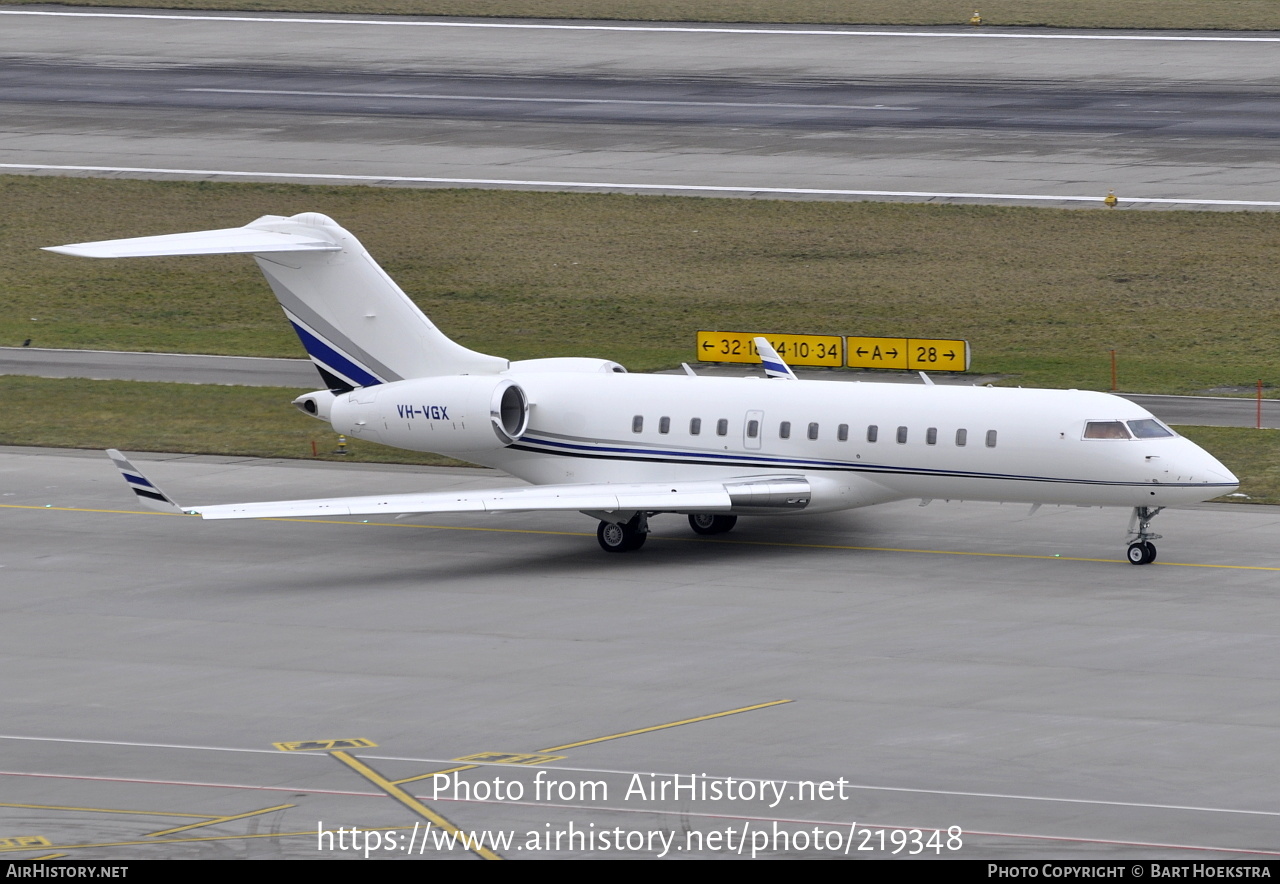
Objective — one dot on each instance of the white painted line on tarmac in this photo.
(625, 772)
(625, 186)
(512, 98)
(658, 29)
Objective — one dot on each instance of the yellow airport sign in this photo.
(907, 354)
(937, 354)
(816, 350)
(877, 353)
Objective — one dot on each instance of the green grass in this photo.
(1233, 14)
(1253, 455)
(260, 422)
(1190, 300)
(186, 418)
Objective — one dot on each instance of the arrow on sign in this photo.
(707, 345)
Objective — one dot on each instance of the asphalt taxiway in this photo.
(951, 665)
(1042, 116)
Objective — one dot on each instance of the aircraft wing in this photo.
(701, 496)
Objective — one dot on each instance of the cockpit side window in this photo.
(1150, 428)
(1105, 430)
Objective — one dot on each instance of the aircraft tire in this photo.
(1141, 553)
(618, 537)
(705, 523)
(613, 537)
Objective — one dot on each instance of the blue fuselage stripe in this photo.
(605, 451)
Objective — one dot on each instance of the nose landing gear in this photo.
(1142, 551)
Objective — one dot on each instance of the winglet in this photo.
(774, 367)
(149, 494)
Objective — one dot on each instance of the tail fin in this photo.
(356, 324)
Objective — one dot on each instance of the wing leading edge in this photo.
(704, 496)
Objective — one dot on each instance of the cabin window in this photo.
(991, 438)
(637, 424)
(1150, 429)
(695, 426)
(1105, 430)
(931, 436)
(842, 432)
(784, 430)
(813, 431)
(962, 438)
(722, 427)
(873, 433)
(753, 429)
(664, 425)
(902, 435)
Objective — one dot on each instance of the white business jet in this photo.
(622, 447)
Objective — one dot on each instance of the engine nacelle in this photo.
(447, 415)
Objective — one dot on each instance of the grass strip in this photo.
(1189, 300)
(260, 422)
(184, 418)
(1196, 14)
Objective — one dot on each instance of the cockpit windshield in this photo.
(1106, 430)
(1147, 428)
(1150, 429)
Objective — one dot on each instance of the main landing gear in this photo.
(1142, 551)
(616, 537)
(705, 523)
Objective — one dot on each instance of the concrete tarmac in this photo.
(1048, 117)
(959, 665)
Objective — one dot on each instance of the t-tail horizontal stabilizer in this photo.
(149, 494)
(355, 323)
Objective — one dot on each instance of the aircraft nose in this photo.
(1212, 470)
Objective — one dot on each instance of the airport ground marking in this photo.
(201, 816)
(408, 800)
(325, 745)
(481, 760)
(637, 186)
(1025, 836)
(780, 31)
(148, 782)
(631, 733)
(970, 832)
(798, 821)
(220, 819)
(670, 724)
(24, 842)
(719, 540)
(159, 841)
